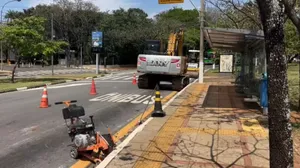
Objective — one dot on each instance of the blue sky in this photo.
(150, 6)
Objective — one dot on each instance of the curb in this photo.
(137, 129)
(131, 128)
(47, 84)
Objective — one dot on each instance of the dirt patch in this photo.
(296, 139)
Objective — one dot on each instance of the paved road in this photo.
(34, 138)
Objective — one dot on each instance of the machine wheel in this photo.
(111, 144)
(74, 153)
(97, 162)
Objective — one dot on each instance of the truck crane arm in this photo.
(175, 43)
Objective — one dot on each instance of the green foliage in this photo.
(292, 40)
(125, 31)
(26, 37)
(192, 37)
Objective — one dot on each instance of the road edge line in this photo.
(127, 129)
(121, 146)
(108, 159)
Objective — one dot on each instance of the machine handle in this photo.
(66, 102)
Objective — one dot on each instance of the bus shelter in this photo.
(248, 51)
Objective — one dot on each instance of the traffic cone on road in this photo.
(93, 88)
(44, 100)
(158, 111)
(134, 79)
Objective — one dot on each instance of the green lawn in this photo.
(6, 85)
(293, 80)
(212, 72)
(74, 76)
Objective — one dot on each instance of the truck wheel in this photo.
(186, 82)
(152, 83)
(143, 82)
(176, 84)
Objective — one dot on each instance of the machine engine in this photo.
(84, 140)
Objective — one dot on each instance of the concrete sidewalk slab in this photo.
(207, 126)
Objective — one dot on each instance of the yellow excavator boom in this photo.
(175, 44)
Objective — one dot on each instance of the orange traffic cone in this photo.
(44, 100)
(93, 88)
(134, 79)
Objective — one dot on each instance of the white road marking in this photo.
(107, 77)
(111, 81)
(120, 77)
(127, 140)
(129, 78)
(56, 87)
(125, 98)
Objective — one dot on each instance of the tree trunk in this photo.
(14, 70)
(281, 144)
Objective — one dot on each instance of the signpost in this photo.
(170, 1)
(97, 40)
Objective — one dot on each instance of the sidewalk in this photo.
(208, 125)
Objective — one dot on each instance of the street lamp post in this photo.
(201, 50)
(1, 22)
(201, 65)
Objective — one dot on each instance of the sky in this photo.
(149, 6)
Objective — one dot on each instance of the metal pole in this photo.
(1, 41)
(81, 61)
(97, 63)
(52, 34)
(1, 56)
(201, 66)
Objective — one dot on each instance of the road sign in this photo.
(97, 42)
(97, 39)
(170, 1)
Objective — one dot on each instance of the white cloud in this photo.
(104, 5)
(151, 15)
(36, 2)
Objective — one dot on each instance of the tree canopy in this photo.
(125, 31)
(26, 37)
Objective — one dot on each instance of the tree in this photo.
(280, 140)
(26, 37)
(292, 41)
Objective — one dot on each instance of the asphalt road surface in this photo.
(33, 137)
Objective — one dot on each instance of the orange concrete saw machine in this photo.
(86, 141)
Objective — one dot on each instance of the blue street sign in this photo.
(97, 39)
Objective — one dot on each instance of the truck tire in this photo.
(152, 81)
(143, 82)
(176, 84)
(186, 82)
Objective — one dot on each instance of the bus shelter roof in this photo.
(232, 39)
